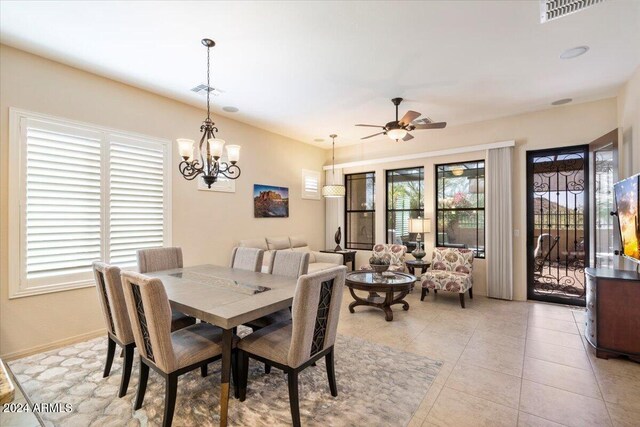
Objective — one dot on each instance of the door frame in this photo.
(530, 219)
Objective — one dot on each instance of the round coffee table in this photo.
(395, 287)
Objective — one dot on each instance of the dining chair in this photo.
(310, 335)
(116, 318)
(158, 259)
(170, 354)
(249, 259)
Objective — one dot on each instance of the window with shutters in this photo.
(310, 184)
(81, 193)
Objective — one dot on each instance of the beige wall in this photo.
(205, 224)
(553, 127)
(629, 125)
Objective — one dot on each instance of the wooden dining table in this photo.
(227, 298)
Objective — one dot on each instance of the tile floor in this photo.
(505, 363)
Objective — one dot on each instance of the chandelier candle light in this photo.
(210, 148)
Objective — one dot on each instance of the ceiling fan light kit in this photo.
(399, 128)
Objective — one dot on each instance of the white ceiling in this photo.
(308, 69)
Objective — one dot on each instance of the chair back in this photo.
(150, 315)
(158, 259)
(392, 252)
(249, 259)
(315, 313)
(542, 252)
(111, 296)
(452, 259)
(289, 263)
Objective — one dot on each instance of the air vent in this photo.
(202, 89)
(554, 9)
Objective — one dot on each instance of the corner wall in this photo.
(205, 224)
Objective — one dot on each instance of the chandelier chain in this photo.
(208, 81)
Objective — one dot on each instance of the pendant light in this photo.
(333, 190)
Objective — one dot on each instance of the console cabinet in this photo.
(613, 312)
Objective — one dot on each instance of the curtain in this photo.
(499, 243)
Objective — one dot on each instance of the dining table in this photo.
(227, 298)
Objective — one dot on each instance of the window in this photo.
(310, 184)
(405, 200)
(460, 206)
(78, 194)
(360, 209)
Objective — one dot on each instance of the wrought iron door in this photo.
(558, 224)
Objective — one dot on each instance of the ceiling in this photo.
(309, 69)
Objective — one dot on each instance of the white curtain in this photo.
(499, 252)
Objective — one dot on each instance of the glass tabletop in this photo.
(373, 278)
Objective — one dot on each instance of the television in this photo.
(628, 213)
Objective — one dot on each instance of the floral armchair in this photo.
(451, 270)
(394, 253)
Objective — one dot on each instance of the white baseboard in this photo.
(51, 346)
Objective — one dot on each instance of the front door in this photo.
(557, 224)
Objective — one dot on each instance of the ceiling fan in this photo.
(399, 129)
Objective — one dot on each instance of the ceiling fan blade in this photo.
(409, 117)
(375, 134)
(407, 137)
(370, 126)
(438, 125)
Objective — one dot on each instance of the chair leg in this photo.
(292, 379)
(331, 373)
(424, 293)
(243, 374)
(470, 293)
(203, 371)
(126, 369)
(111, 350)
(461, 300)
(171, 390)
(435, 291)
(267, 368)
(142, 384)
(234, 374)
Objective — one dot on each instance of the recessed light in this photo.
(319, 140)
(574, 52)
(562, 101)
(230, 109)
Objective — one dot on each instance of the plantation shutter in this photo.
(62, 201)
(310, 184)
(136, 205)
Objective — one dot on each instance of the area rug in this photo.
(377, 386)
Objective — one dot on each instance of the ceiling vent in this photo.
(554, 9)
(203, 88)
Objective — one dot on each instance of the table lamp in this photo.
(419, 226)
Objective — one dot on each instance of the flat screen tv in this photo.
(628, 212)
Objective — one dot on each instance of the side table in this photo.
(414, 263)
(347, 256)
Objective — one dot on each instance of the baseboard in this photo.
(52, 346)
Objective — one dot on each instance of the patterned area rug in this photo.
(377, 386)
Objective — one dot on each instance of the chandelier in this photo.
(209, 163)
(333, 190)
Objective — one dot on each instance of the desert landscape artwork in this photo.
(270, 201)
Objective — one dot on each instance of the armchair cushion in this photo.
(452, 259)
(447, 281)
(392, 252)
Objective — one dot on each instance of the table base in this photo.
(383, 303)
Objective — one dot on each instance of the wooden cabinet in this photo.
(613, 312)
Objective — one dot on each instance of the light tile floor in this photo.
(505, 363)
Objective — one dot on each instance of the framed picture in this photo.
(270, 201)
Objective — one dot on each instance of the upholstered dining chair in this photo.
(158, 259)
(288, 264)
(393, 253)
(294, 345)
(451, 270)
(116, 318)
(249, 259)
(171, 354)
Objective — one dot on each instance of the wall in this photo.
(629, 125)
(205, 224)
(554, 127)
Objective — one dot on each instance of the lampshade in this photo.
(334, 190)
(396, 134)
(419, 225)
(233, 153)
(457, 171)
(185, 147)
(215, 147)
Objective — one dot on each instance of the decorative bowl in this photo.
(379, 269)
